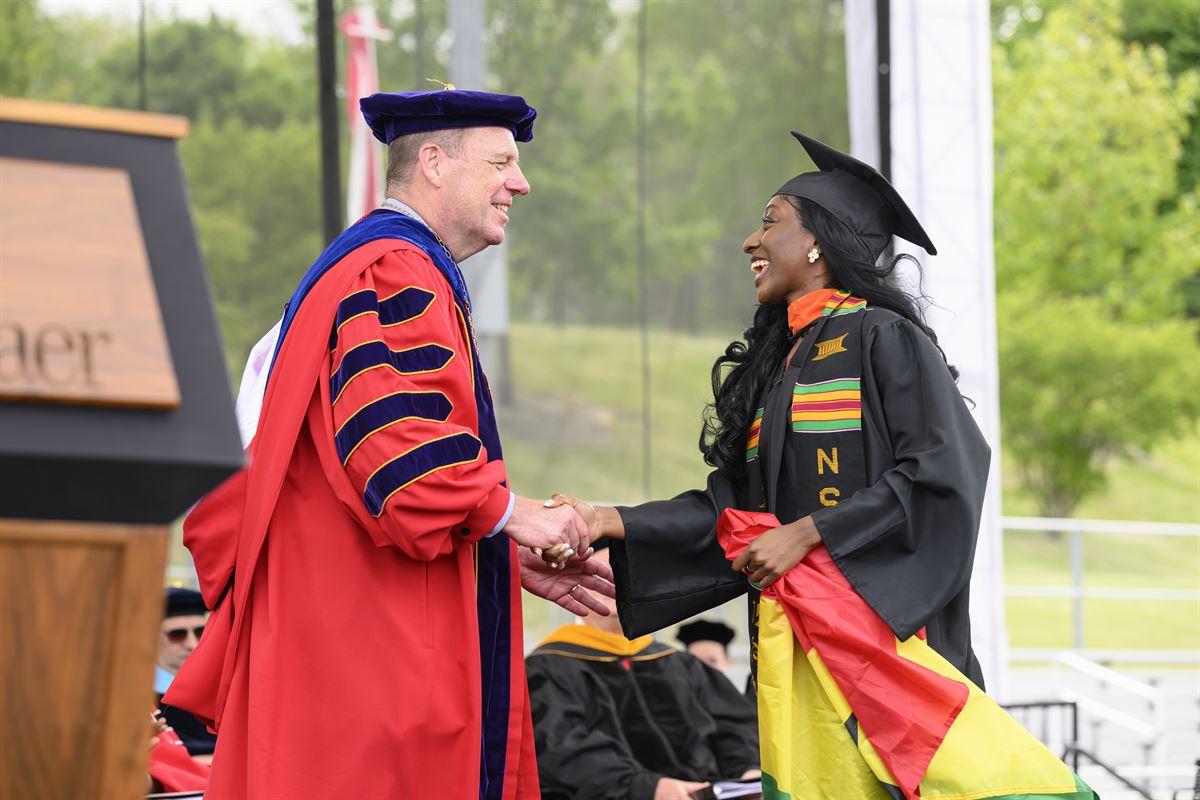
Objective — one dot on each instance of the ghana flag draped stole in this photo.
(848, 710)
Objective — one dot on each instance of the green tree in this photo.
(1174, 26)
(1079, 387)
(25, 52)
(572, 248)
(50, 57)
(209, 70)
(717, 145)
(720, 115)
(1088, 133)
(1096, 356)
(254, 199)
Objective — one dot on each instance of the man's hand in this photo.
(568, 586)
(672, 789)
(773, 553)
(543, 528)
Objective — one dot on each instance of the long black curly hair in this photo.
(748, 364)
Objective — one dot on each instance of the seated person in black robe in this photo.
(708, 641)
(618, 718)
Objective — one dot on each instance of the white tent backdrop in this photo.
(941, 155)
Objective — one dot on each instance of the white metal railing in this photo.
(1077, 593)
(1017, 590)
(1131, 527)
(1149, 731)
(1108, 655)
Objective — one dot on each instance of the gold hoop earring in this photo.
(813, 255)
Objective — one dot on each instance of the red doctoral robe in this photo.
(344, 661)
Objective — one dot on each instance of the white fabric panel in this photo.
(862, 80)
(942, 165)
(254, 384)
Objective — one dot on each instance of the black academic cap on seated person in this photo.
(183, 603)
(703, 630)
(857, 195)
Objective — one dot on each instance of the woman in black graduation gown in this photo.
(839, 414)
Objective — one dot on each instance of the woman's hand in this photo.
(773, 553)
(585, 510)
(602, 521)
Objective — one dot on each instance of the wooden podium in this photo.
(115, 416)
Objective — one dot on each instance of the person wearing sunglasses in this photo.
(182, 625)
(184, 617)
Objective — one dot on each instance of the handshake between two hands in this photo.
(554, 539)
(555, 546)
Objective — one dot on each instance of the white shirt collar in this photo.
(404, 208)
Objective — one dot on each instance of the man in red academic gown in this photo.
(365, 568)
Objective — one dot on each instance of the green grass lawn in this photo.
(577, 421)
(1163, 486)
(1124, 624)
(577, 426)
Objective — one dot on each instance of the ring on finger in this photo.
(571, 591)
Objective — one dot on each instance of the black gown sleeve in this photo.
(669, 566)
(191, 731)
(735, 740)
(581, 751)
(907, 542)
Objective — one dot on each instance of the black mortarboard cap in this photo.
(183, 603)
(703, 630)
(857, 195)
(392, 114)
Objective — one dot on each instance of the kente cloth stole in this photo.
(822, 409)
(824, 416)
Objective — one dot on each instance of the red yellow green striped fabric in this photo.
(821, 303)
(752, 437)
(827, 406)
(842, 303)
(848, 710)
